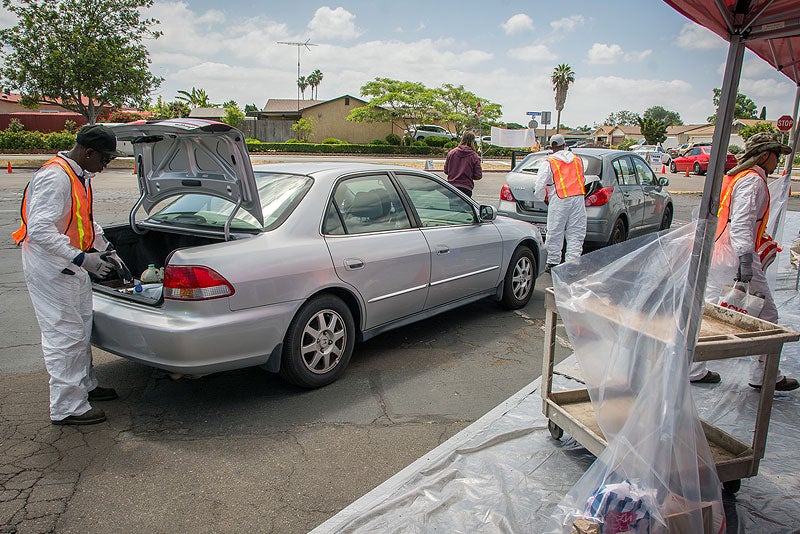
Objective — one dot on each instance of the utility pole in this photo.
(299, 45)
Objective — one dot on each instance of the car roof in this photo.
(334, 168)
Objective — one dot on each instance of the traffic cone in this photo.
(663, 168)
(687, 172)
(9, 168)
(134, 167)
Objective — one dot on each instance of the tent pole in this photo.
(793, 132)
(692, 307)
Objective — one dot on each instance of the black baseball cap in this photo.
(98, 137)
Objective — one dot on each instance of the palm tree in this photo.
(562, 76)
(196, 98)
(302, 83)
(314, 79)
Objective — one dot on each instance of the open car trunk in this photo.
(140, 250)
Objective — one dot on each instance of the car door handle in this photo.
(353, 263)
(442, 249)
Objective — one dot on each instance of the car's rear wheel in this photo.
(319, 343)
(619, 233)
(666, 219)
(673, 167)
(519, 280)
(698, 169)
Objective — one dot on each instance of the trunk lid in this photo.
(183, 156)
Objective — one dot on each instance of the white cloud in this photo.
(637, 56)
(517, 24)
(334, 24)
(568, 24)
(603, 54)
(532, 53)
(695, 37)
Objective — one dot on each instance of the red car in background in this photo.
(696, 160)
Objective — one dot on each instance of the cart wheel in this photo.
(555, 430)
(732, 486)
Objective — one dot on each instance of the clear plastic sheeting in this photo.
(504, 473)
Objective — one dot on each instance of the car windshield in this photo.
(279, 194)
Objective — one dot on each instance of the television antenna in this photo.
(299, 46)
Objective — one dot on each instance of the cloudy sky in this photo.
(626, 54)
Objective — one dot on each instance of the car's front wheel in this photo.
(318, 343)
(698, 170)
(672, 167)
(519, 280)
(666, 219)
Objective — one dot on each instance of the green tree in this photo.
(670, 118)
(77, 54)
(302, 83)
(169, 110)
(314, 79)
(196, 98)
(561, 78)
(653, 130)
(303, 127)
(403, 103)
(744, 108)
(250, 108)
(461, 107)
(233, 115)
(747, 131)
(622, 118)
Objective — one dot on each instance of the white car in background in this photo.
(419, 132)
(654, 154)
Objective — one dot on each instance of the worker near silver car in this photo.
(563, 183)
(61, 245)
(462, 166)
(743, 215)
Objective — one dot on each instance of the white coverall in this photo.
(63, 303)
(566, 217)
(749, 198)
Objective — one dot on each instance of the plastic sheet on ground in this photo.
(504, 473)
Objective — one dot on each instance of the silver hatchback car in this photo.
(286, 266)
(626, 199)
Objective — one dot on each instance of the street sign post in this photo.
(785, 123)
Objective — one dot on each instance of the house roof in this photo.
(630, 130)
(206, 113)
(288, 105)
(677, 129)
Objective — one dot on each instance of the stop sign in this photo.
(785, 123)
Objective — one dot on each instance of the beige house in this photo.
(614, 135)
(328, 119)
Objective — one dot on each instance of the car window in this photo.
(531, 163)
(646, 176)
(695, 152)
(365, 204)
(626, 175)
(435, 203)
(279, 194)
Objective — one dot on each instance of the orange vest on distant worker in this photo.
(567, 177)
(80, 228)
(724, 212)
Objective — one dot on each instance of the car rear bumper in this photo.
(190, 342)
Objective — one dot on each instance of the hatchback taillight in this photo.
(505, 194)
(600, 197)
(194, 282)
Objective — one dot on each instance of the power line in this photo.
(299, 45)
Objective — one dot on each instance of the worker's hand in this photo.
(745, 273)
(95, 264)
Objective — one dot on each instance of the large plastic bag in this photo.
(621, 307)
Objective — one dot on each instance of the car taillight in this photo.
(600, 197)
(505, 194)
(194, 282)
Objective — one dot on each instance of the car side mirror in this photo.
(487, 213)
(663, 181)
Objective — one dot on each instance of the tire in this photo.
(325, 326)
(519, 280)
(698, 170)
(420, 138)
(732, 486)
(672, 167)
(619, 233)
(556, 432)
(666, 219)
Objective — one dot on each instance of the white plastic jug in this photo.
(150, 275)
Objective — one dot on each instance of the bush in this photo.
(379, 142)
(333, 141)
(15, 125)
(59, 140)
(626, 144)
(450, 144)
(311, 148)
(251, 140)
(435, 141)
(419, 143)
(294, 141)
(394, 139)
(734, 149)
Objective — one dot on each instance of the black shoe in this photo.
(92, 417)
(549, 266)
(103, 394)
(710, 378)
(784, 384)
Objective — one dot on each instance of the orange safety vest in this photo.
(80, 228)
(568, 177)
(724, 212)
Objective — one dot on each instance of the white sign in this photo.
(513, 138)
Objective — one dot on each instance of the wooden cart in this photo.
(723, 334)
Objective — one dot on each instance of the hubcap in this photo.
(323, 342)
(522, 278)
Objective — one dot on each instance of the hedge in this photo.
(26, 140)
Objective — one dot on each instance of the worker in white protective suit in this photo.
(562, 181)
(61, 245)
(743, 215)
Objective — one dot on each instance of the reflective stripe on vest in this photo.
(724, 211)
(567, 177)
(80, 228)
